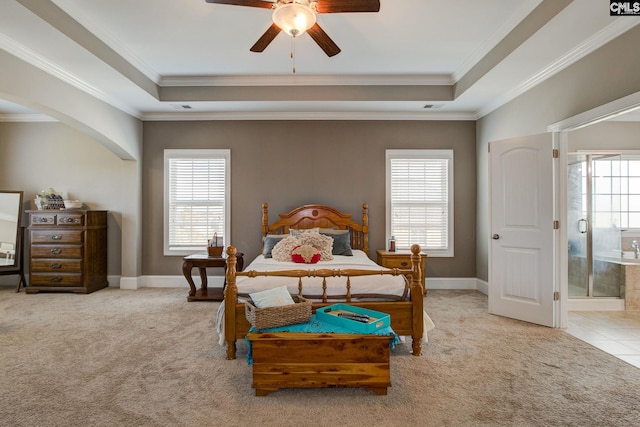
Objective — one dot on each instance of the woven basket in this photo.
(272, 317)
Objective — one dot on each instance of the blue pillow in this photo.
(270, 241)
(341, 241)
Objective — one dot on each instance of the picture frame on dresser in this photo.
(11, 235)
(67, 250)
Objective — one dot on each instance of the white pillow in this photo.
(272, 297)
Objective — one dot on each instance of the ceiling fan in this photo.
(295, 17)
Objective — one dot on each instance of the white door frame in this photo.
(561, 131)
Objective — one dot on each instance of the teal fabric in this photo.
(319, 327)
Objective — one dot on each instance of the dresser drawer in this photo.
(56, 251)
(50, 279)
(56, 236)
(70, 219)
(46, 218)
(56, 266)
(43, 219)
(403, 263)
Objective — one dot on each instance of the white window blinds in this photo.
(196, 198)
(420, 199)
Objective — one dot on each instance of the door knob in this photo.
(495, 236)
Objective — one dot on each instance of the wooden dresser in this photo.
(68, 251)
(402, 260)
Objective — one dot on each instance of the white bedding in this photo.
(374, 284)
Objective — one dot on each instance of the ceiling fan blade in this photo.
(323, 40)
(249, 3)
(266, 38)
(343, 6)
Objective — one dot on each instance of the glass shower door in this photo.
(593, 206)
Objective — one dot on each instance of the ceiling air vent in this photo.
(181, 106)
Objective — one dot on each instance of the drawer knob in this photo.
(56, 237)
(56, 279)
(56, 251)
(404, 263)
(56, 265)
(69, 220)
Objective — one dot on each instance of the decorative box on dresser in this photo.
(68, 251)
(402, 260)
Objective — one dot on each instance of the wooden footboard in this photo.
(406, 316)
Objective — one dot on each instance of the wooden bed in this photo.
(407, 315)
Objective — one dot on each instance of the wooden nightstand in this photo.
(202, 262)
(402, 260)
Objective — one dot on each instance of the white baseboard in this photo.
(455, 283)
(165, 282)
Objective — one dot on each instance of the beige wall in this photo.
(36, 156)
(610, 73)
(606, 135)
(288, 164)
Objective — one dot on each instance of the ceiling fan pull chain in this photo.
(293, 53)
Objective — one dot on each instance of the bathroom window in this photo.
(196, 205)
(420, 199)
(616, 192)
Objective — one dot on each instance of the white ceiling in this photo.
(150, 58)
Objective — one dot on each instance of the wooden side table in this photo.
(402, 260)
(202, 262)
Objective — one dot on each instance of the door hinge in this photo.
(556, 153)
(556, 296)
(556, 225)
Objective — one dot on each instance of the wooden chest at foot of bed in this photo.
(312, 360)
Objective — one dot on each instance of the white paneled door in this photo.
(521, 266)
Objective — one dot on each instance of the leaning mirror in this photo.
(10, 231)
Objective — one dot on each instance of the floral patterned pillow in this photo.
(324, 244)
(305, 254)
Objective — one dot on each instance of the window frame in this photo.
(170, 154)
(446, 154)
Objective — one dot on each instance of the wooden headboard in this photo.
(310, 216)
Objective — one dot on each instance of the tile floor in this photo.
(616, 332)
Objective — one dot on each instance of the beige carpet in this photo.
(150, 358)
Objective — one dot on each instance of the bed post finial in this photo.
(265, 219)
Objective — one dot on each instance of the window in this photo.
(420, 200)
(616, 191)
(196, 205)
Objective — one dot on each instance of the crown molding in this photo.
(97, 30)
(497, 36)
(283, 80)
(25, 54)
(607, 34)
(328, 115)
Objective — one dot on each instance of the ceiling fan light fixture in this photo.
(294, 18)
